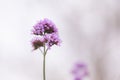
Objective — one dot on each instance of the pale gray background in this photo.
(89, 29)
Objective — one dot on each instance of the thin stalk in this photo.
(44, 76)
(44, 60)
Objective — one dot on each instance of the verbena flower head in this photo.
(52, 39)
(49, 26)
(38, 29)
(37, 43)
(45, 26)
(80, 71)
(48, 32)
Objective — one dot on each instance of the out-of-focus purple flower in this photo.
(80, 65)
(37, 43)
(80, 71)
(45, 26)
(78, 78)
(52, 39)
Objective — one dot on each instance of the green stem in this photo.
(44, 76)
(44, 60)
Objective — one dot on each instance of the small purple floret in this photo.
(45, 26)
(80, 71)
(52, 39)
(37, 43)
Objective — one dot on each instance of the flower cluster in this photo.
(45, 26)
(36, 43)
(52, 39)
(47, 32)
(80, 71)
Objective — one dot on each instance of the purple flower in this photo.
(49, 26)
(37, 43)
(45, 26)
(48, 36)
(38, 29)
(48, 33)
(52, 39)
(80, 71)
(78, 78)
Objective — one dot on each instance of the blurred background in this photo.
(90, 33)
